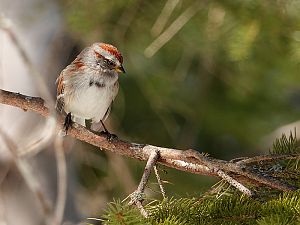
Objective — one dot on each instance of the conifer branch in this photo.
(185, 160)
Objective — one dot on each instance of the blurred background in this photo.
(221, 77)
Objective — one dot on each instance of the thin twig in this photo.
(235, 183)
(142, 209)
(163, 17)
(263, 158)
(147, 171)
(137, 196)
(166, 36)
(238, 169)
(159, 181)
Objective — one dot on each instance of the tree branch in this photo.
(185, 160)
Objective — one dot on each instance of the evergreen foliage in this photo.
(122, 213)
(285, 145)
(227, 209)
(224, 204)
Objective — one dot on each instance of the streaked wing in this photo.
(59, 93)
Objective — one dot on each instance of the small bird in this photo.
(88, 86)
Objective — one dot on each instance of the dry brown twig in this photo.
(137, 196)
(188, 160)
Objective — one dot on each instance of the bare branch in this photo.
(188, 160)
(150, 163)
(137, 196)
(35, 104)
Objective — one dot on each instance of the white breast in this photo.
(90, 101)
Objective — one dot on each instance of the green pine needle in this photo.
(122, 213)
(286, 145)
(225, 205)
(237, 209)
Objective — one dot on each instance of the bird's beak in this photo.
(120, 69)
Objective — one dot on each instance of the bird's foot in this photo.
(110, 137)
(68, 122)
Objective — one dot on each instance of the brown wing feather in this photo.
(59, 93)
(75, 66)
(60, 86)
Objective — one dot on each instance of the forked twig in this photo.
(137, 196)
(188, 160)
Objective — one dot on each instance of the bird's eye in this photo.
(109, 62)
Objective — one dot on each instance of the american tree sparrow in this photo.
(88, 86)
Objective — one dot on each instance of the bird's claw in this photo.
(68, 122)
(110, 137)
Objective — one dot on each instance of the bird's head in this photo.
(108, 57)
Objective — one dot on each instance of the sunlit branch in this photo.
(185, 160)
